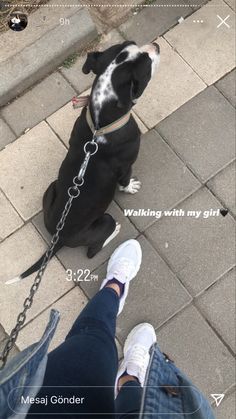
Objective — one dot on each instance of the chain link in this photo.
(73, 192)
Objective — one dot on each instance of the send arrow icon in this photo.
(218, 398)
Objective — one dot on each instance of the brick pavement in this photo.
(186, 284)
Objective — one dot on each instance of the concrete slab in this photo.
(62, 121)
(9, 219)
(2, 334)
(23, 175)
(226, 410)
(223, 186)
(140, 123)
(159, 19)
(202, 132)
(173, 84)
(37, 104)
(198, 352)
(218, 305)
(17, 253)
(227, 87)
(165, 180)
(76, 258)
(25, 68)
(214, 44)
(75, 75)
(6, 135)
(69, 306)
(231, 3)
(199, 250)
(154, 285)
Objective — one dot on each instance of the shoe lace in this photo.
(139, 358)
(123, 267)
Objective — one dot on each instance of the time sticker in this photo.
(81, 275)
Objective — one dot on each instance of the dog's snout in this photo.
(157, 47)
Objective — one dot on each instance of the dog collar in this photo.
(81, 101)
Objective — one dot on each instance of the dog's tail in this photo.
(34, 267)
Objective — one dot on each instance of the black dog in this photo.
(122, 73)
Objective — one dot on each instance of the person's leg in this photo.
(128, 401)
(85, 365)
(132, 371)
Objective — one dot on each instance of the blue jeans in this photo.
(85, 366)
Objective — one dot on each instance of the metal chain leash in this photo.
(73, 192)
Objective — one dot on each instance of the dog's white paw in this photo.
(133, 186)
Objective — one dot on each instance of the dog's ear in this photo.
(91, 63)
(141, 75)
(125, 95)
(131, 80)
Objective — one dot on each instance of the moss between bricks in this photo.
(91, 46)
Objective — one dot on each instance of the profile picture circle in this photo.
(17, 21)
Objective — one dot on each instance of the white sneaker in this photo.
(124, 265)
(136, 353)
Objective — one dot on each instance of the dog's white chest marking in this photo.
(103, 91)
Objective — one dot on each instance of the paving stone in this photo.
(173, 84)
(62, 121)
(226, 410)
(69, 306)
(38, 103)
(227, 87)
(197, 351)
(223, 185)
(6, 135)
(165, 180)
(153, 21)
(27, 166)
(17, 253)
(202, 132)
(154, 285)
(74, 74)
(208, 49)
(9, 219)
(140, 123)
(76, 258)
(3, 334)
(43, 56)
(218, 306)
(231, 3)
(199, 250)
(76, 77)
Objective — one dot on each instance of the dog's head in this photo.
(123, 71)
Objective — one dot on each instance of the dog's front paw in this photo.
(133, 186)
